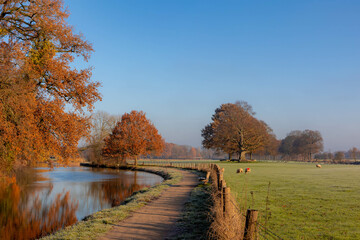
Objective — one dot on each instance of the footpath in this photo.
(157, 220)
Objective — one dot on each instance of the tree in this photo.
(308, 143)
(287, 144)
(102, 123)
(271, 148)
(353, 152)
(133, 136)
(39, 84)
(234, 130)
(193, 152)
(303, 143)
(339, 156)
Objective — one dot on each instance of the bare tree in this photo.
(102, 125)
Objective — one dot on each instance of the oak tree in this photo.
(133, 135)
(234, 129)
(42, 96)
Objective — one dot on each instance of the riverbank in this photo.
(158, 219)
(100, 222)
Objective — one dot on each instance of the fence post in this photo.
(250, 225)
(226, 199)
(220, 179)
(207, 177)
(221, 194)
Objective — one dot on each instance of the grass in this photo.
(195, 221)
(305, 202)
(100, 222)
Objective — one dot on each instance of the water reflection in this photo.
(40, 201)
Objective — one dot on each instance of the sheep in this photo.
(247, 170)
(318, 165)
(240, 170)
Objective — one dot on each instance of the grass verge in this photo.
(195, 221)
(100, 222)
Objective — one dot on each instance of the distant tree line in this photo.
(234, 133)
(353, 154)
(175, 151)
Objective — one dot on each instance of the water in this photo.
(41, 200)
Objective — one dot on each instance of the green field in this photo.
(305, 202)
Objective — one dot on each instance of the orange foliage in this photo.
(114, 192)
(133, 136)
(234, 129)
(31, 223)
(37, 83)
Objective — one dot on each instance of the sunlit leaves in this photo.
(38, 84)
(133, 136)
(234, 130)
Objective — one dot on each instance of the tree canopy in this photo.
(133, 135)
(42, 97)
(303, 143)
(234, 129)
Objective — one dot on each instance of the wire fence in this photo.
(252, 229)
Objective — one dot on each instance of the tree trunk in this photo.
(242, 156)
(250, 155)
(230, 156)
(136, 161)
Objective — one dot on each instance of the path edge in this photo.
(100, 222)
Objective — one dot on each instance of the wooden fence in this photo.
(227, 203)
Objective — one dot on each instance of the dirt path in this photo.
(157, 219)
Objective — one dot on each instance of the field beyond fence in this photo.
(229, 220)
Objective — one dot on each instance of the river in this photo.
(43, 200)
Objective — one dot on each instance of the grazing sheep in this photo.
(247, 170)
(240, 170)
(318, 165)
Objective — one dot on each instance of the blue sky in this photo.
(296, 62)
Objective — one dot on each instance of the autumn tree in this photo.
(234, 129)
(193, 152)
(271, 148)
(42, 96)
(133, 135)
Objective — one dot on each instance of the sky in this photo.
(296, 62)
